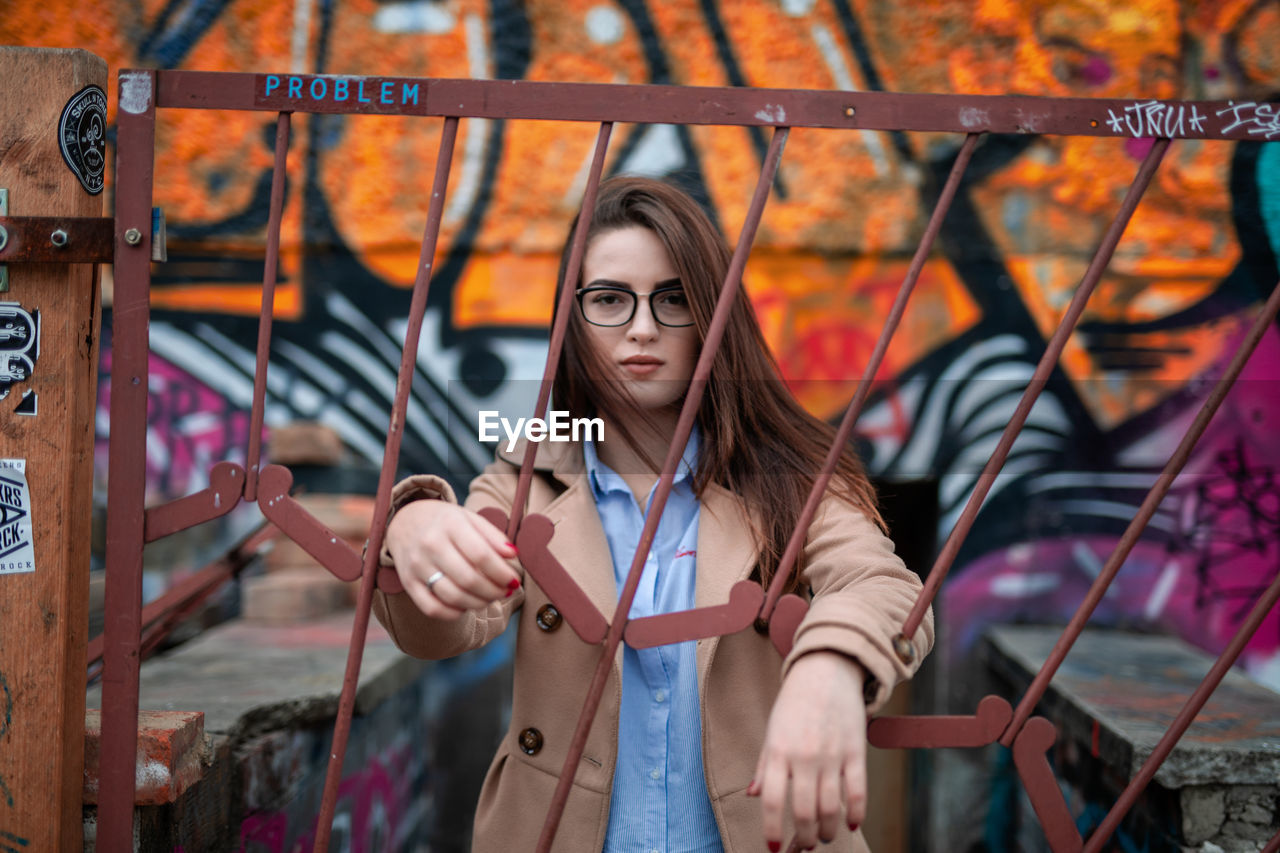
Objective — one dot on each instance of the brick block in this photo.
(172, 753)
(292, 595)
(304, 443)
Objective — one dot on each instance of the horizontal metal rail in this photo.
(749, 107)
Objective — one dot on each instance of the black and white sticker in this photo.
(19, 351)
(16, 552)
(82, 136)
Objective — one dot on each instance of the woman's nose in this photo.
(643, 326)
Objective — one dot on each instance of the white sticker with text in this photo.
(16, 552)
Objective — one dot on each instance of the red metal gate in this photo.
(131, 524)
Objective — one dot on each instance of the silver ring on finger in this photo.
(435, 577)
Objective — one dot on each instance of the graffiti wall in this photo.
(848, 208)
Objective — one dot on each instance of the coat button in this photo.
(548, 618)
(530, 741)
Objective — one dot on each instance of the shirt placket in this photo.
(658, 688)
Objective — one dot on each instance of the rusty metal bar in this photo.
(127, 451)
(1145, 512)
(1041, 376)
(563, 311)
(983, 727)
(226, 484)
(719, 105)
(872, 368)
(1273, 846)
(212, 575)
(688, 412)
(226, 569)
(577, 609)
(382, 504)
(57, 239)
(325, 547)
(1186, 716)
(269, 273)
(1031, 759)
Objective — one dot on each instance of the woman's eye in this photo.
(675, 299)
(605, 298)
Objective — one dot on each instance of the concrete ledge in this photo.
(420, 741)
(1112, 700)
(249, 678)
(1118, 693)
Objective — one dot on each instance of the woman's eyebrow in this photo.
(608, 282)
(624, 285)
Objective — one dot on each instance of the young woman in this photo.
(707, 746)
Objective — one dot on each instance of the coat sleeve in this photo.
(862, 593)
(414, 632)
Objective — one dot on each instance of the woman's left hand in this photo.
(817, 740)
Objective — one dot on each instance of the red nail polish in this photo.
(853, 827)
(513, 547)
(775, 846)
(513, 585)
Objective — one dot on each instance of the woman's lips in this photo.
(641, 365)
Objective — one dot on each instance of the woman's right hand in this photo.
(430, 536)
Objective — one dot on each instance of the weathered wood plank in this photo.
(44, 579)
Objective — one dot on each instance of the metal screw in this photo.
(4, 237)
(848, 111)
(133, 236)
(58, 238)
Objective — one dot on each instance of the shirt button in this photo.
(660, 695)
(655, 774)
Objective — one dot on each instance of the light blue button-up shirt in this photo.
(659, 802)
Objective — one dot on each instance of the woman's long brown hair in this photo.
(757, 440)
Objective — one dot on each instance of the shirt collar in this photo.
(604, 479)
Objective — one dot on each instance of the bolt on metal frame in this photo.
(131, 524)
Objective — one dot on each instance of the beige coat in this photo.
(861, 594)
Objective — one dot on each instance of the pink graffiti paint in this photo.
(190, 426)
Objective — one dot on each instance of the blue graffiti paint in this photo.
(1268, 177)
(8, 705)
(4, 728)
(180, 25)
(9, 836)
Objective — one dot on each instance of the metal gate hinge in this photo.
(65, 239)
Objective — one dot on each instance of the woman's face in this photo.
(653, 361)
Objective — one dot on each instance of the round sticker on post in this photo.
(82, 136)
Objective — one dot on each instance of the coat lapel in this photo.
(580, 546)
(726, 554)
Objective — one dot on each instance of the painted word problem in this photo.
(319, 91)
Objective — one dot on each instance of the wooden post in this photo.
(46, 108)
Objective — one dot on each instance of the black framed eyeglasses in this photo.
(602, 305)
